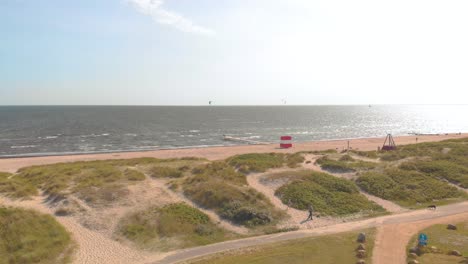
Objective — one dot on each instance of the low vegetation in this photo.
(99, 181)
(330, 249)
(440, 169)
(172, 226)
(29, 237)
(408, 188)
(220, 187)
(327, 194)
(260, 162)
(444, 241)
(15, 187)
(344, 164)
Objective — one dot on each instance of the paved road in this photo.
(407, 217)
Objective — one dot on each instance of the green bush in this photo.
(346, 158)
(327, 194)
(179, 225)
(15, 187)
(29, 237)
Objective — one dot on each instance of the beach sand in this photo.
(217, 153)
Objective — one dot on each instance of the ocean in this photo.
(57, 130)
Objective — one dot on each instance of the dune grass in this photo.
(15, 187)
(171, 227)
(260, 162)
(330, 249)
(97, 182)
(408, 188)
(327, 194)
(344, 164)
(29, 237)
(220, 187)
(445, 241)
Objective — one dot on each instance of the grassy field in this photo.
(220, 187)
(331, 249)
(29, 237)
(327, 194)
(445, 240)
(171, 227)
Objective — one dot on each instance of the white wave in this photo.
(23, 147)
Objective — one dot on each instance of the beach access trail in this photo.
(393, 234)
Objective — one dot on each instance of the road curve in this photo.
(416, 216)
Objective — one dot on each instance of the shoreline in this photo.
(12, 164)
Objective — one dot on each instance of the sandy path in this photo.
(93, 247)
(213, 216)
(215, 153)
(387, 205)
(420, 218)
(391, 240)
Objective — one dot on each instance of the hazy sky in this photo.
(178, 52)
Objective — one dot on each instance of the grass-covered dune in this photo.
(29, 237)
(445, 241)
(418, 174)
(15, 187)
(408, 188)
(220, 187)
(330, 249)
(260, 162)
(344, 164)
(96, 182)
(327, 194)
(172, 226)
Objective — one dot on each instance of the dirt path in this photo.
(391, 240)
(387, 205)
(394, 244)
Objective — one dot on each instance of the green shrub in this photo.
(179, 225)
(15, 187)
(29, 237)
(165, 172)
(327, 194)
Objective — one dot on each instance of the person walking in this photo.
(311, 212)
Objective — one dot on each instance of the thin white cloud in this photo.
(155, 9)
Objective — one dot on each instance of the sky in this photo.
(233, 52)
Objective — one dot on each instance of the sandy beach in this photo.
(216, 153)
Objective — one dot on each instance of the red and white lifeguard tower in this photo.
(286, 142)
